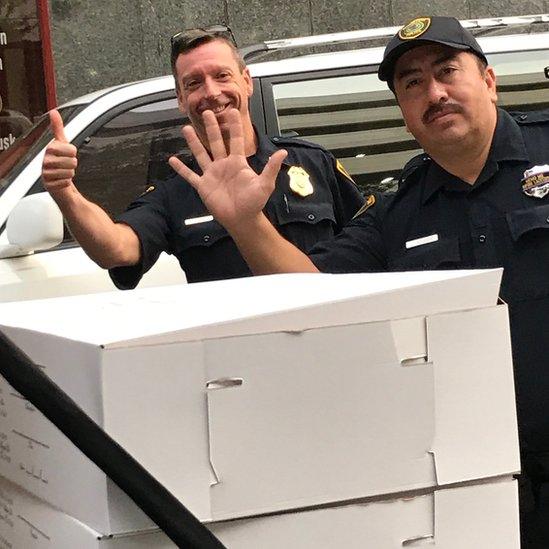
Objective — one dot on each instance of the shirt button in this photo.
(482, 238)
(207, 238)
(311, 217)
(547, 220)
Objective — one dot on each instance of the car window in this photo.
(18, 155)
(356, 117)
(522, 82)
(118, 161)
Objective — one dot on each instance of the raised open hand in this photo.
(230, 189)
(59, 165)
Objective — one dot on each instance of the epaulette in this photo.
(412, 166)
(296, 142)
(530, 117)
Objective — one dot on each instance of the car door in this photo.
(119, 153)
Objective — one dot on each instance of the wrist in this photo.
(250, 228)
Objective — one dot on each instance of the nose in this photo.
(436, 91)
(211, 88)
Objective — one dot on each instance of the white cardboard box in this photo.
(252, 396)
(477, 516)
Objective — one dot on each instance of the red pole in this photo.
(47, 53)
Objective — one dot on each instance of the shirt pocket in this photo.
(305, 223)
(524, 222)
(310, 213)
(444, 253)
(200, 236)
(525, 266)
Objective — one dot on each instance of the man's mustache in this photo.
(439, 109)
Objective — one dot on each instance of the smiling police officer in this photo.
(313, 198)
(477, 198)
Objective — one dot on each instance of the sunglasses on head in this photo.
(188, 36)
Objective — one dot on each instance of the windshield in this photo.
(16, 157)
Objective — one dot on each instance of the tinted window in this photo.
(119, 160)
(354, 116)
(522, 83)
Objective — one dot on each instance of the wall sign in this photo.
(23, 86)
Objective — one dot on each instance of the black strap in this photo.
(179, 524)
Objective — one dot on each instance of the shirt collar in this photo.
(507, 144)
(266, 147)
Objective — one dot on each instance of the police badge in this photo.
(536, 181)
(300, 182)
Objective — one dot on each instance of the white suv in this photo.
(125, 135)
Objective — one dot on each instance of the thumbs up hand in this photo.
(59, 165)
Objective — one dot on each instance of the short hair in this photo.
(197, 37)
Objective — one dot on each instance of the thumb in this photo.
(56, 125)
(271, 169)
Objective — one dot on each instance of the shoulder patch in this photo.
(341, 169)
(370, 201)
(530, 117)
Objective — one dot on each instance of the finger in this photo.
(58, 151)
(215, 139)
(197, 148)
(59, 185)
(54, 175)
(184, 171)
(236, 132)
(271, 169)
(56, 124)
(60, 162)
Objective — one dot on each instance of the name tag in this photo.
(421, 241)
(197, 220)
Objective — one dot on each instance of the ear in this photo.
(490, 79)
(249, 81)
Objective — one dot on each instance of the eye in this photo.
(223, 76)
(411, 83)
(448, 70)
(191, 84)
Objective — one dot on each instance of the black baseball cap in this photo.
(440, 30)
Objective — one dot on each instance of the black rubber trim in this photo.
(179, 524)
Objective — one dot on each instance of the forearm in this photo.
(109, 244)
(266, 251)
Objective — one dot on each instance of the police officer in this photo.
(313, 199)
(477, 198)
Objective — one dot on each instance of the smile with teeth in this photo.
(219, 108)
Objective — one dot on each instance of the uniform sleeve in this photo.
(358, 248)
(348, 198)
(148, 217)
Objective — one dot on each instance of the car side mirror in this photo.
(35, 224)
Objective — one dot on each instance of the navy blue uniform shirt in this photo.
(449, 224)
(171, 216)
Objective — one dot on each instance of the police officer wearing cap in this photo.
(314, 195)
(477, 198)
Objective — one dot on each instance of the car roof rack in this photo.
(257, 50)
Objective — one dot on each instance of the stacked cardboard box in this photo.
(377, 409)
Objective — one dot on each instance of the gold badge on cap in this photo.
(300, 182)
(414, 28)
(536, 181)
